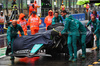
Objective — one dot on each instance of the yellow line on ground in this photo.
(99, 60)
(95, 62)
(94, 48)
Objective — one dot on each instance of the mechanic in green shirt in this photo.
(81, 37)
(71, 28)
(57, 18)
(12, 34)
(96, 27)
(65, 15)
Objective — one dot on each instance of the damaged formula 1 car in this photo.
(29, 46)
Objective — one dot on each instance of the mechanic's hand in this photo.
(9, 46)
(95, 37)
(60, 33)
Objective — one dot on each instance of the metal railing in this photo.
(3, 40)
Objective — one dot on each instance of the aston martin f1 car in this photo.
(30, 45)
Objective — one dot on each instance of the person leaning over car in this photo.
(71, 28)
(96, 29)
(12, 33)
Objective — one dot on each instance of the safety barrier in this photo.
(80, 17)
(2, 52)
(42, 24)
(3, 40)
(3, 44)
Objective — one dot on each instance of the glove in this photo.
(28, 27)
(9, 46)
(8, 50)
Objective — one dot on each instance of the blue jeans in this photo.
(1, 29)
